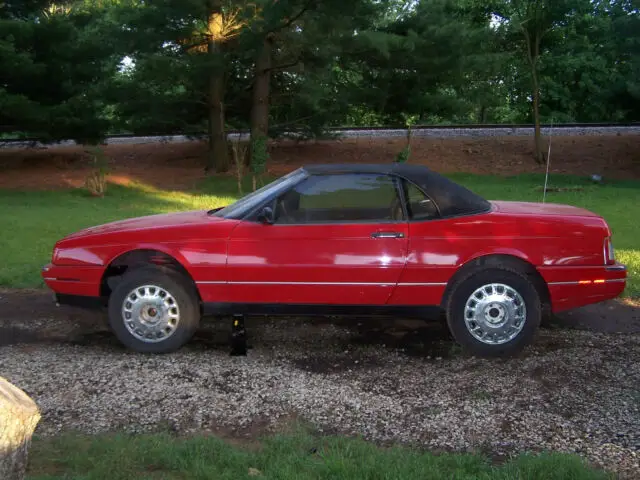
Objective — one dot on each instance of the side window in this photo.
(340, 198)
(419, 206)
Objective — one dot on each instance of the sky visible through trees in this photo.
(84, 69)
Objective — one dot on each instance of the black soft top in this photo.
(452, 199)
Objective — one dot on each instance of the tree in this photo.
(282, 39)
(181, 54)
(221, 26)
(626, 34)
(431, 58)
(535, 22)
(54, 59)
(237, 50)
(275, 17)
(583, 77)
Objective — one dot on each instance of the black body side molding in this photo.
(274, 309)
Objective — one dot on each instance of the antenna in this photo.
(546, 177)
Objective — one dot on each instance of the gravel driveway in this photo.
(575, 390)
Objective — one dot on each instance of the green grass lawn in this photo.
(297, 456)
(32, 221)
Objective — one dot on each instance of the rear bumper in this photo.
(573, 287)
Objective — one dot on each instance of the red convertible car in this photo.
(339, 239)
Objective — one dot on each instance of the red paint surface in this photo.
(338, 264)
(341, 264)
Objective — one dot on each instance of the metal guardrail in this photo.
(380, 131)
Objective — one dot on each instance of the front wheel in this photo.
(153, 310)
(494, 312)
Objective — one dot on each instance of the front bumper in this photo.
(73, 280)
(80, 301)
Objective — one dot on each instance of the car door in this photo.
(432, 256)
(338, 239)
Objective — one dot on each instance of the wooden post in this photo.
(19, 416)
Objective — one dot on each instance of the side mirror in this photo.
(266, 216)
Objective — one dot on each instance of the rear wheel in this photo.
(154, 310)
(494, 312)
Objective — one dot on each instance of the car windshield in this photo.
(243, 206)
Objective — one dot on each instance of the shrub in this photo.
(405, 153)
(239, 151)
(96, 181)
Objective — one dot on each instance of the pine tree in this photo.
(55, 60)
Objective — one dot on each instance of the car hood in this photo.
(147, 222)
(531, 208)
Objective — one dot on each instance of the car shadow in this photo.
(31, 319)
(613, 316)
(416, 338)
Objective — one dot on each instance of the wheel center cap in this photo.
(151, 314)
(494, 313)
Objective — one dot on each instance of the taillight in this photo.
(609, 253)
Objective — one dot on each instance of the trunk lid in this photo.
(531, 208)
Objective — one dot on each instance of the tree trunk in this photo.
(218, 155)
(261, 91)
(533, 55)
(482, 114)
(19, 416)
(538, 154)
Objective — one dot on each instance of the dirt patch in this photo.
(616, 316)
(31, 317)
(181, 166)
(335, 363)
(16, 335)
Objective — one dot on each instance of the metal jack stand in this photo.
(238, 337)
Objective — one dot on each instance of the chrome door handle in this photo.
(387, 235)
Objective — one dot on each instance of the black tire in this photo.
(465, 287)
(179, 287)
